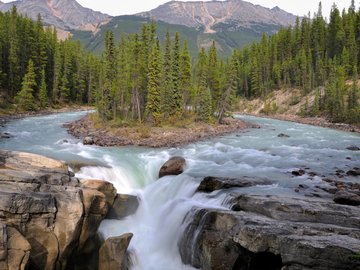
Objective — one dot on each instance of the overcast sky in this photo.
(297, 7)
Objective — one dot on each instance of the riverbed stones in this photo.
(174, 166)
(353, 148)
(5, 135)
(354, 172)
(347, 198)
(272, 232)
(55, 213)
(88, 140)
(283, 135)
(113, 253)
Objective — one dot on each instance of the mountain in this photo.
(214, 16)
(63, 14)
(231, 24)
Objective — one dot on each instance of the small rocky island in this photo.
(92, 132)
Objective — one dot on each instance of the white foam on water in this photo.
(158, 224)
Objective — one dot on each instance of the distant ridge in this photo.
(63, 14)
(212, 16)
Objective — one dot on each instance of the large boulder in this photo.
(347, 198)
(56, 214)
(174, 166)
(273, 233)
(113, 253)
(123, 206)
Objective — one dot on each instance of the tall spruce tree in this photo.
(214, 76)
(153, 105)
(203, 102)
(228, 96)
(176, 103)
(107, 105)
(43, 96)
(166, 95)
(186, 87)
(25, 98)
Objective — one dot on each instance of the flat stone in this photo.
(210, 184)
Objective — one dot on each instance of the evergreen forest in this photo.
(142, 80)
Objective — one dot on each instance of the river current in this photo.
(158, 223)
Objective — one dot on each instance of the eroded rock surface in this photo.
(55, 213)
(274, 233)
(123, 206)
(113, 253)
(211, 183)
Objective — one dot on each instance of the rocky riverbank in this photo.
(151, 136)
(274, 232)
(314, 121)
(49, 218)
(11, 116)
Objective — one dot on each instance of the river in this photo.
(159, 221)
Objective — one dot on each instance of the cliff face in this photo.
(214, 15)
(63, 14)
(48, 218)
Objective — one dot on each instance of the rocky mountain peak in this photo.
(64, 14)
(209, 15)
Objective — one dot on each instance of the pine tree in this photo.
(203, 102)
(123, 78)
(43, 97)
(214, 76)
(228, 96)
(136, 106)
(176, 104)
(353, 110)
(336, 33)
(25, 98)
(204, 110)
(186, 76)
(153, 105)
(107, 106)
(166, 95)
(316, 106)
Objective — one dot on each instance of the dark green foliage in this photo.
(153, 105)
(25, 98)
(185, 83)
(311, 55)
(43, 97)
(60, 68)
(176, 96)
(107, 102)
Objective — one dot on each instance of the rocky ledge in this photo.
(150, 136)
(272, 232)
(48, 218)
